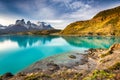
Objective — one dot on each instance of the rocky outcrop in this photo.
(115, 47)
(2, 27)
(6, 76)
(20, 22)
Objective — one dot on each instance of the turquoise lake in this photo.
(18, 52)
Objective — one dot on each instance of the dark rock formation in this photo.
(21, 26)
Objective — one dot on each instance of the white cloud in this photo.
(39, 10)
(59, 24)
(46, 13)
(54, 21)
(6, 19)
(79, 11)
(78, 5)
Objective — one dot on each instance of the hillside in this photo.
(106, 22)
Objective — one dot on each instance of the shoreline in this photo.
(76, 66)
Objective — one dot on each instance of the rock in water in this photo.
(7, 75)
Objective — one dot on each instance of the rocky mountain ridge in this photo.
(21, 26)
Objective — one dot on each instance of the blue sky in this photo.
(58, 13)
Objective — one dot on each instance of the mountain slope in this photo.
(106, 22)
(21, 26)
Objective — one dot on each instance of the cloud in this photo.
(54, 21)
(45, 13)
(78, 11)
(8, 19)
(60, 24)
(58, 13)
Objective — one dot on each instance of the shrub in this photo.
(116, 66)
(100, 75)
(38, 76)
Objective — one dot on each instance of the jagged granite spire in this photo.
(21, 26)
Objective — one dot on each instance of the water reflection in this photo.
(92, 42)
(27, 53)
(86, 42)
(24, 41)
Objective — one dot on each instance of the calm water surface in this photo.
(18, 52)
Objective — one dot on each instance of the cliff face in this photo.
(104, 23)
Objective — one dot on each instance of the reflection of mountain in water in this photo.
(23, 41)
(92, 42)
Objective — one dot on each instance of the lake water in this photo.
(18, 52)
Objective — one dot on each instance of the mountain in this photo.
(2, 27)
(21, 26)
(106, 22)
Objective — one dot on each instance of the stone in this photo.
(7, 75)
(53, 67)
(72, 56)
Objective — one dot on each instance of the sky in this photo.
(58, 13)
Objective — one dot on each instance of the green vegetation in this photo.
(105, 54)
(42, 32)
(61, 75)
(108, 68)
(72, 56)
(115, 66)
(67, 75)
(38, 76)
(104, 23)
(100, 75)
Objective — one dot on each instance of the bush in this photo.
(100, 75)
(115, 66)
(38, 76)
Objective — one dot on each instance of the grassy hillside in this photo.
(106, 22)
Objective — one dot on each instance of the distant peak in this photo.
(28, 22)
(20, 22)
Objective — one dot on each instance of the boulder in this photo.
(7, 75)
(53, 66)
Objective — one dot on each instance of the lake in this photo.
(17, 52)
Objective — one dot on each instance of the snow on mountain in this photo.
(21, 26)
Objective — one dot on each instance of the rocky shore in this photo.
(96, 64)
